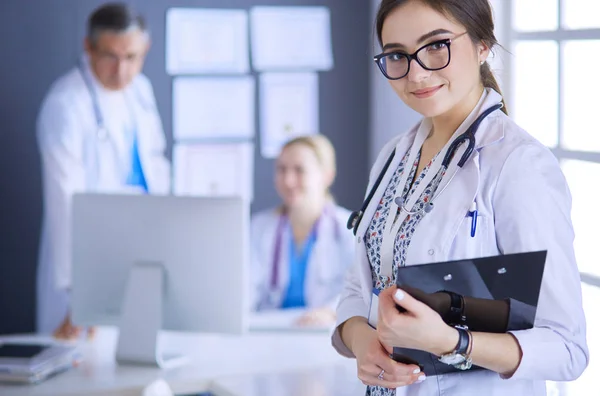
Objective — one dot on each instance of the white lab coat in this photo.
(524, 205)
(327, 265)
(76, 159)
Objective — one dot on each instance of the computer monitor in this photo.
(146, 263)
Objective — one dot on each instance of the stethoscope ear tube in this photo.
(469, 135)
(356, 216)
(102, 131)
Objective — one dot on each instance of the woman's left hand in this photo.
(418, 327)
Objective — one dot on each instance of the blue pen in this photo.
(473, 215)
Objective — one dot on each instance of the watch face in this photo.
(452, 359)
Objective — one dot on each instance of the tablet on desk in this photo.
(33, 362)
(20, 351)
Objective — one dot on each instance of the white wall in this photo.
(388, 114)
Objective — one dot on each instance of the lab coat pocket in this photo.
(470, 239)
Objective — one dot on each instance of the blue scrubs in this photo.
(136, 176)
(294, 297)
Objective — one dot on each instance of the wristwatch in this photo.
(456, 314)
(459, 358)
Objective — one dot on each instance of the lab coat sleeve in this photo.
(347, 248)
(60, 143)
(532, 206)
(258, 282)
(351, 302)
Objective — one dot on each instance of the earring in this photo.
(482, 62)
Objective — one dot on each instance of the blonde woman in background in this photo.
(302, 249)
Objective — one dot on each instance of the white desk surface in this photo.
(331, 380)
(258, 363)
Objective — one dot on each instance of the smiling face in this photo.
(413, 25)
(300, 178)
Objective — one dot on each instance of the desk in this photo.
(335, 380)
(258, 363)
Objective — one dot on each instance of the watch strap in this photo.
(463, 342)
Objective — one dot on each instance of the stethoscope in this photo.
(468, 136)
(281, 225)
(102, 133)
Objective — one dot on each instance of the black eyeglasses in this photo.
(433, 56)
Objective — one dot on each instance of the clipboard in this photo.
(513, 278)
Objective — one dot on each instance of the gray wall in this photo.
(42, 39)
(389, 115)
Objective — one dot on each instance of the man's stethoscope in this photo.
(102, 131)
(468, 136)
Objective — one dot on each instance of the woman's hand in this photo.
(418, 327)
(67, 331)
(439, 302)
(317, 317)
(374, 364)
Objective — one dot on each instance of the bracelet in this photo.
(456, 313)
(470, 348)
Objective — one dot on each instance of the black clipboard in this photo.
(513, 278)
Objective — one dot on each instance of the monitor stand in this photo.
(142, 319)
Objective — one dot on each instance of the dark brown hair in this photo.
(475, 15)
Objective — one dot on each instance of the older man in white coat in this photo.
(98, 131)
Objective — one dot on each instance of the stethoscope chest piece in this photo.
(354, 220)
(468, 136)
(102, 134)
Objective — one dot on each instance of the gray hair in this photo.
(113, 18)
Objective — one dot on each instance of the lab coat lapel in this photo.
(114, 146)
(283, 271)
(149, 137)
(142, 125)
(322, 263)
(401, 147)
(491, 129)
(435, 233)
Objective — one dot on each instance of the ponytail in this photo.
(489, 81)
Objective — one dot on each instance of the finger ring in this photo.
(380, 376)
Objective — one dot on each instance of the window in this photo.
(587, 384)
(554, 93)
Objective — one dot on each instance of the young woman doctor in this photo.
(434, 54)
(301, 251)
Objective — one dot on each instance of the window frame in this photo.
(560, 35)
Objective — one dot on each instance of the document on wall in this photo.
(203, 40)
(291, 38)
(213, 107)
(214, 170)
(289, 107)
